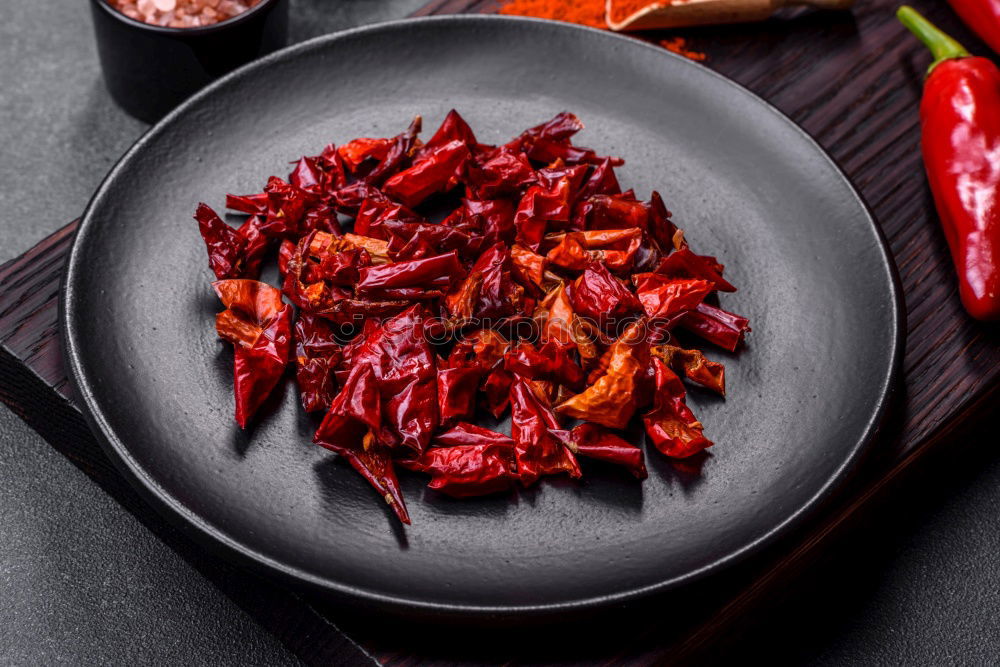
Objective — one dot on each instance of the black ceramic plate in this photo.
(804, 397)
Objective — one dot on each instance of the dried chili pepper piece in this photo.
(716, 325)
(611, 400)
(663, 297)
(464, 433)
(377, 209)
(355, 153)
(496, 391)
(438, 171)
(694, 365)
(528, 267)
(399, 151)
(286, 208)
(671, 425)
(602, 181)
(551, 361)
(537, 451)
(594, 442)
(661, 227)
(317, 355)
(453, 128)
(467, 471)
(349, 429)
(232, 253)
(493, 218)
(259, 325)
(559, 322)
(505, 173)
(456, 391)
(429, 273)
(539, 206)
(685, 264)
(473, 462)
(600, 296)
(406, 370)
(250, 204)
(404, 238)
(499, 295)
(615, 248)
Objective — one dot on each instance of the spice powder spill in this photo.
(591, 13)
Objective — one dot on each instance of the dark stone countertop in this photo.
(81, 581)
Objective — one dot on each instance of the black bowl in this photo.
(150, 69)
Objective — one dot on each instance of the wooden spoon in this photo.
(682, 13)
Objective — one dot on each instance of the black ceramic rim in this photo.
(196, 30)
(213, 537)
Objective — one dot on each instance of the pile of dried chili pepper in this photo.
(427, 285)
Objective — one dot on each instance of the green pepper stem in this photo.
(942, 46)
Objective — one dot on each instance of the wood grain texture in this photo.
(852, 80)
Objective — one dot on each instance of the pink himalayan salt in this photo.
(182, 13)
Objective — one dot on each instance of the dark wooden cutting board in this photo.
(852, 80)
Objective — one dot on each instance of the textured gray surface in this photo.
(81, 581)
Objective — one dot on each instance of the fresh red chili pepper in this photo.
(960, 139)
(983, 16)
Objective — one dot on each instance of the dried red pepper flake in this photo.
(469, 461)
(694, 365)
(612, 398)
(670, 425)
(537, 451)
(603, 298)
(685, 264)
(716, 325)
(545, 290)
(596, 442)
(663, 297)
